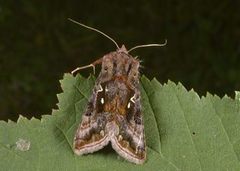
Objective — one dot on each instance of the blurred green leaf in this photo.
(183, 132)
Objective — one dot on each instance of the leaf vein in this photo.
(80, 92)
(155, 119)
(224, 129)
(183, 112)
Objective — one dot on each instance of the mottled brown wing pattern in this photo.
(113, 113)
(90, 135)
(130, 142)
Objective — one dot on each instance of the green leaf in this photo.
(183, 132)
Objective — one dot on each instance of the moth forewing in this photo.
(90, 135)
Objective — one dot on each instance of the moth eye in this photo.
(102, 100)
(105, 68)
(134, 74)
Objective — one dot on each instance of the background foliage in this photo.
(38, 45)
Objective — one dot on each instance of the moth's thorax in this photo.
(120, 65)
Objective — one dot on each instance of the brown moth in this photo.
(113, 113)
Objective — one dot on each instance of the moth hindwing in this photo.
(113, 113)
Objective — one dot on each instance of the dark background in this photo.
(38, 45)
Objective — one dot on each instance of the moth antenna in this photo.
(96, 30)
(83, 67)
(148, 45)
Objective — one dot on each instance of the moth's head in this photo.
(122, 49)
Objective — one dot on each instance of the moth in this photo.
(114, 113)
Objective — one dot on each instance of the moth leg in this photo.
(99, 61)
